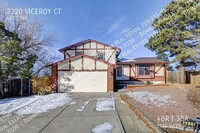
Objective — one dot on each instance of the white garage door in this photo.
(88, 81)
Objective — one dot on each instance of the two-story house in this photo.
(92, 66)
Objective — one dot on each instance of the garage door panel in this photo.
(82, 81)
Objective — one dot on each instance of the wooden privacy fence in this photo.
(173, 76)
(42, 85)
(16, 87)
(190, 77)
(195, 78)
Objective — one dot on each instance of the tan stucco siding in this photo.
(110, 56)
(76, 63)
(90, 52)
(80, 47)
(88, 64)
(133, 71)
(70, 52)
(100, 46)
(93, 45)
(63, 65)
(86, 81)
(87, 45)
(91, 49)
(101, 65)
(159, 72)
(126, 72)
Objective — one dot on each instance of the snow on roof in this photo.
(141, 60)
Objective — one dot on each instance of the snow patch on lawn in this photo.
(103, 128)
(105, 104)
(34, 104)
(147, 98)
(11, 104)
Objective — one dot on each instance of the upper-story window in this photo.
(79, 52)
(100, 56)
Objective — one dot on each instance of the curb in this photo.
(150, 123)
(121, 125)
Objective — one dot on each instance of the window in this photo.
(100, 55)
(79, 52)
(119, 72)
(144, 69)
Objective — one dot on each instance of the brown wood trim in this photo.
(67, 70)
(127, 63)
(82, 62)
(90, 57)
(56, 78)
(129, 72)
(165, 74)
(67, 53)
(95, 65)
(70, 65)
(85, 41)
(153, 70)
(75, 50)
(145, 77)
(133, 70)
(104, 54)
(111, 55)
(83, 48)
(96, 49)
(157, 78)
(136, 71)
(159, 69)
(107, 79)
(64, 54)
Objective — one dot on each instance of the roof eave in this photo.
(88, 40)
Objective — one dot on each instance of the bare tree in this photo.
(34, 39)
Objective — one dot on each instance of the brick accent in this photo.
(110, 78)
(54, 75)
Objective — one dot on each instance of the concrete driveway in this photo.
(66, 119)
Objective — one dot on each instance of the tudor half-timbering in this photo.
(88, 66)
(141, 70)
(92, 66)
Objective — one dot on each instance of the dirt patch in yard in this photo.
(167, 105)
(170, 130)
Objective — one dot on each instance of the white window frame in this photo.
(120, 78)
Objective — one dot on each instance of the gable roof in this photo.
(86, 56)
(86, 41)
(143, 60)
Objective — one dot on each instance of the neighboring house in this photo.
(89, 66)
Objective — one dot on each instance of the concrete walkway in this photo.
(130, 121)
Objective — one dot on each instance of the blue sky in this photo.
(108, 21)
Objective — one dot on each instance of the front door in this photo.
(119, 73)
